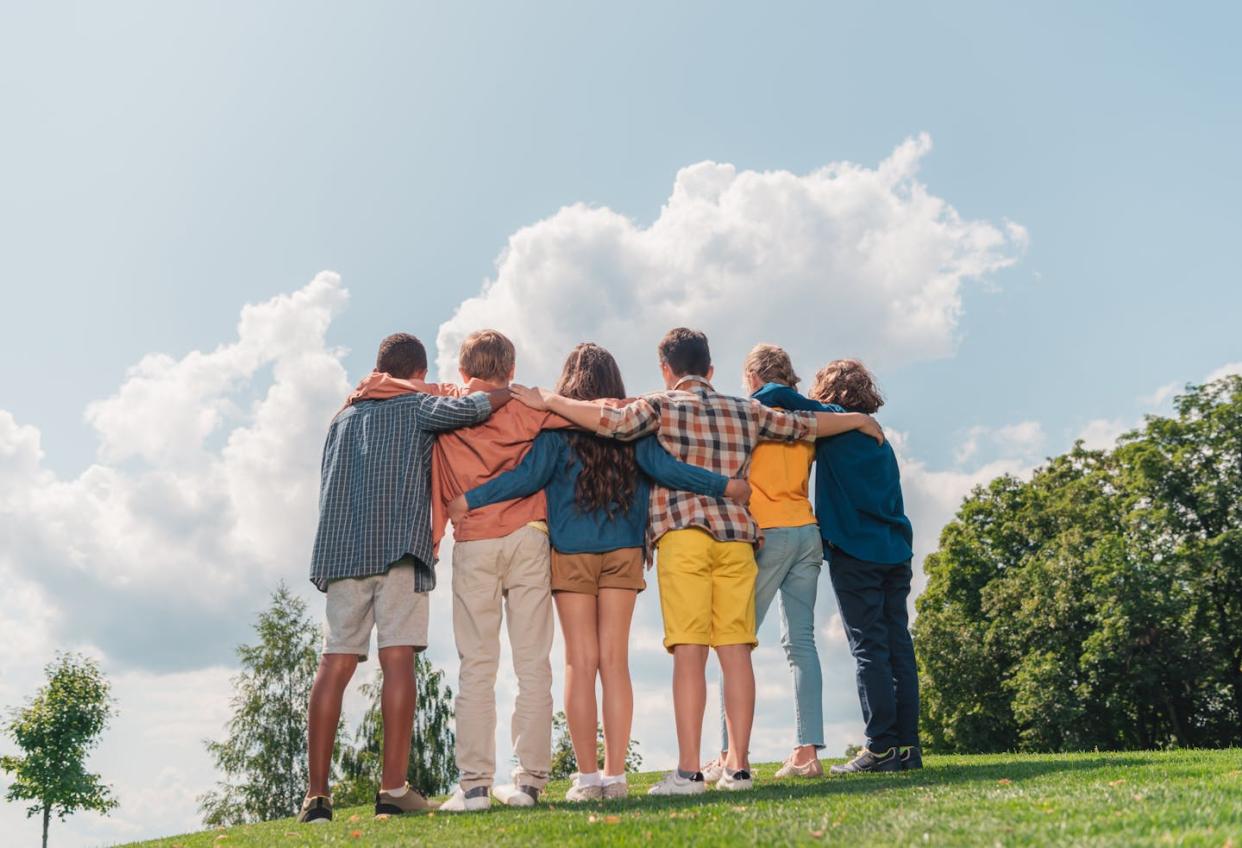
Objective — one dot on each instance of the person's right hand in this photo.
(498, 398)
(872, 428)
(458, 508)
(532, 396)
(738, 491)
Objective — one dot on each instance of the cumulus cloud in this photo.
(203, 495)
(846, 259)
(1225, 370)
(1025, 439)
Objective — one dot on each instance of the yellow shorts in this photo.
(707, 589)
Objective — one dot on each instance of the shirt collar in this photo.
(692, 378)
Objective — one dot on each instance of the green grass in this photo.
(1122, 799)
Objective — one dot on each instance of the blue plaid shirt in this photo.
(375, 485)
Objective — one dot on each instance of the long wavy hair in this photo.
(609, 475)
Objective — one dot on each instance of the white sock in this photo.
(591, 779)
(610, 779)
(397, 793)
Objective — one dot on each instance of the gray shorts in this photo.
(386, 602)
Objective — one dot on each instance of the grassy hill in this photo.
(1122, 799)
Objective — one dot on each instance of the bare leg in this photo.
(689, 701)
(739, 698)
(397, 704)
(804, 754)
(324, 714)
(577, 614)
(615, 609)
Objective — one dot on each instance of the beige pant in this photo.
(513, 571)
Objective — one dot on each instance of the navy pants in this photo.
(872, 600)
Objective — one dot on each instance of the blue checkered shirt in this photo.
(375, 485)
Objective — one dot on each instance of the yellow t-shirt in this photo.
(780, 474)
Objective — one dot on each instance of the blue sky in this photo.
(164, 164)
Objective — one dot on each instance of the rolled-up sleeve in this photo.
(778, 426)
(632, 421)
(448, 413)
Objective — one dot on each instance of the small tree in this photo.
(432, 765)
(264, 757)
(56, 730)
(564, 763)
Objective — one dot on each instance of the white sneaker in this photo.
(461, 803)
(738, 781)
(712, 770)
(579, 791)
(515, 796)
(675, 784)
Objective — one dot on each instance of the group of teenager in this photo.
(563, 499)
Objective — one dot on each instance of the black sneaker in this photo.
(316, 808)
(870, 761)
(911, 757)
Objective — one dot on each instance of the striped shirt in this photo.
(375, 485)
(717, 432)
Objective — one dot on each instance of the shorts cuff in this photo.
(673, 640)
(401, 643)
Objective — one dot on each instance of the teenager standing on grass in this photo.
(789, 563)
(868, 543)
(375, 560)
(706, 560)
(597, 520)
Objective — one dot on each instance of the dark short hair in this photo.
(686, 352)
(401, 355)
(487, 355)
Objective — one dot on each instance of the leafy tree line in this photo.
(1098, 605)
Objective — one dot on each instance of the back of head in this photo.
(847, 383)
(487, 355)
(609, 476)
(770, 364)
(685, 352)
(402, 356)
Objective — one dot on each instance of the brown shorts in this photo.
(588, 573)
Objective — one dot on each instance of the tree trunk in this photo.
(47, 816)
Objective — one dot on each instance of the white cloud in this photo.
(1102, 433)
(844, 260)
(203, 495)
(1023, 439)
(1225, 370)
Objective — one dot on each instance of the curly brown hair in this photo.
(847, 383)
(609, 476)
(771, 364)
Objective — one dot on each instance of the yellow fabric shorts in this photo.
(707, 589)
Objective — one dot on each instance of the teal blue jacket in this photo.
(552, 464)
(858, 501)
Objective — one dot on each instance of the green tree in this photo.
(433, 767)
(56, 730)
(565, 763)
(1098, 604)
(263, 757)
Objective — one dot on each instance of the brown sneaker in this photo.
(616, 791)
(316, 809)
(410, 801)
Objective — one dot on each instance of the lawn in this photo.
(1122, 799)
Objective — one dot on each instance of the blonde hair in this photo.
(487, 355)
(847, 383)
(771, 364)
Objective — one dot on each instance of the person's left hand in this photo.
(458, 508)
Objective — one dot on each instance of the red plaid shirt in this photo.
(717, 432)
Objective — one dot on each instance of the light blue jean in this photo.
(789, 561)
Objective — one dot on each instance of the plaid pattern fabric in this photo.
(717, 432)
(375, 485)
